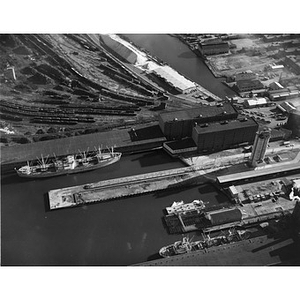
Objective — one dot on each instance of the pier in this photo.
(122, 187)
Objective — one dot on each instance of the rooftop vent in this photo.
(243, 120)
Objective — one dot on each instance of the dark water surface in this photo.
(121, 232)
(178, 55)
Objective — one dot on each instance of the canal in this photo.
(178, 55)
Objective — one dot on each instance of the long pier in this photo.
(122, 187)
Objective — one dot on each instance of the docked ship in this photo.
(180, 207)
(188, 246)
(69, 164)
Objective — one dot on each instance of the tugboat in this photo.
(70, 164)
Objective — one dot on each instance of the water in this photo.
(121, 232)
(178, 55)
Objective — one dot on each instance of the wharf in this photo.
(266, 171)
(254, 213)
(146, 137)
(246, 216)
(122, 187)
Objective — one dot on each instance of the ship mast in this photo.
(43, 162)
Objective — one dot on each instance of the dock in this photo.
(246, 215)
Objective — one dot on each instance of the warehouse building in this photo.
(173, 78)
(179, 124)
(225, 134)
(212, 47)
(255, 102)
(249, 85)
(283, 94)
(246, 75)
(286, 107)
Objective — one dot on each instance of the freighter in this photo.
(187, 246)
(74, 163)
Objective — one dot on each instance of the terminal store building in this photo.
(207, 128)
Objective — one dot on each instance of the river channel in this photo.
(121, 232)
(178, 56)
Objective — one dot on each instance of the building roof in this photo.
(278, 91)
(225, 125)
(174, 78)
(286, 106)
(256, 101)
(226, 216)
(249, 83)
(203, 111)
(225, 179)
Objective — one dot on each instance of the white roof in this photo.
(296, 183)
(256, 101)
(174, 78)
(277, 67)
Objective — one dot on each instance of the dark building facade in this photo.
(179, 124)
(249, 85)
(212, 48)
(225, 134)
(293, 122)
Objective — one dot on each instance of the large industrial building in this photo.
(283, 94)
(214, 46)
(179, 124)
(222, 135)
(249, 85)
(207, 128)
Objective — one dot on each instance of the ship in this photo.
(180, 207)
(186, 245)
(69, 164)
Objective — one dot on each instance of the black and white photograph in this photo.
(130, 147)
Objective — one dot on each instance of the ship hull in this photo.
(79, 169)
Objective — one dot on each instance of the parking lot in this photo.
(265, 116)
